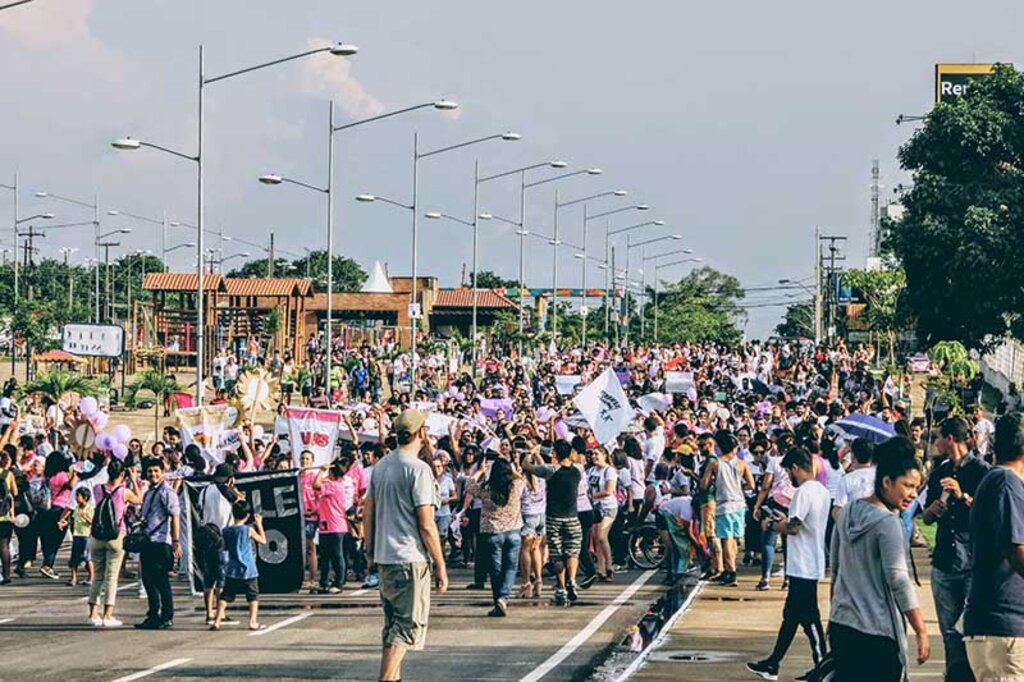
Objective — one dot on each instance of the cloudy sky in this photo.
(742, 124)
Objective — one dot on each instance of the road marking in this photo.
(358, 593)
(5, 620)
(155, 669)
(283, 624)
(587, 632)
(663, 634)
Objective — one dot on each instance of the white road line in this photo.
(5, 620)
(155, 669)
(358, 593)
(587, 632)
(663, 634)
(282, 624)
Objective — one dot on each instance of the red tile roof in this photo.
(181, 281)
(463, 298)
(292, 286)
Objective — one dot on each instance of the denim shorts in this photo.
(602, 512)
(533, 526)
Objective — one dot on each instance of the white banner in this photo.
(605, 406)
(205, 426)
(565, 384)
(654, 402)
(678, 382)
(313, 430)
(438, 424)
(103, 340)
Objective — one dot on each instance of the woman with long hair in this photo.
(872, 589)
(534, 504)
(108, 553)
(61, 479)
(603, 481)
(501, 522)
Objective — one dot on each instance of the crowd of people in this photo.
(751, 456)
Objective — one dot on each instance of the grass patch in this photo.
(928, 532)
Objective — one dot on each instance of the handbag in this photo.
(137, 538)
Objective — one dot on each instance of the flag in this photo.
(565, 384)
(654, 402)
(313, 430)
(605, 406)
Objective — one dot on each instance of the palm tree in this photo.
(160, 385)
(56, 383)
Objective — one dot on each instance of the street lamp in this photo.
(643, 283)
(127, 143)
(18, 221)
(610, 255)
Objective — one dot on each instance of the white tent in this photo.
(378, 282)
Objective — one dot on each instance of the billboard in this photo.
(953, 80)
(101, 340)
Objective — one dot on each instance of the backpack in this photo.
(104, 521)
(209, 539)
(6, 498)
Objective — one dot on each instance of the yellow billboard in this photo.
(953, 80)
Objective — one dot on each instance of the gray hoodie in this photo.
(871, 582)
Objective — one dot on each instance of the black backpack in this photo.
(209, 539)
(6, 498)
(104, 521)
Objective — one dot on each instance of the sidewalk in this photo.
(727, 626)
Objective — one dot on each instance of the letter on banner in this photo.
(678, 382)
(313, 430)
(605, 406)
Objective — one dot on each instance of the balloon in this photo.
(460, 396)
(120, 450)
(21, 521)
(122, 433)
(99, 420)
(453, 390)
(561, 429)
(257, 432)
(103, 441)
(88, 406)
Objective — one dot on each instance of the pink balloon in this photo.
(122, 433)
(103, 441)
(460, 396)
(88, 406)
(120, 450)
(99, 420)
(561, 429)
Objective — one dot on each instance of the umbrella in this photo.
(865, 426)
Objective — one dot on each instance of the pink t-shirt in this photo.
(822, 475)
(308, 495)
(358, 476)
(60, 491)
(331, 506)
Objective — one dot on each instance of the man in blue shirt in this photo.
(161, 519)
(994, 619)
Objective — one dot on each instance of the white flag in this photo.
(654, 402)
(565, 384)
(605, 406)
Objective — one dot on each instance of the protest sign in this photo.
(678, 382)
(490, 406)
(654, 402)
(313, 430)
(439, 424)
(565, 384)
(203, 426)
(277, 498)
(605, 406)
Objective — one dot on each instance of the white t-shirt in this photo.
(216, 508)
(598, 480)
(855, 485)
(654, 446)
(681, 507)
(805, 554)
(834, 477)
(983, 431)
(636, 477)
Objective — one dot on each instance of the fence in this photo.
(1004, 365)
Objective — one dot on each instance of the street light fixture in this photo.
(128, 143)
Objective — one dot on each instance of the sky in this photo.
(743, 125)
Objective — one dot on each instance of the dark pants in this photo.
(769, 537)
(801, 610)
(6, 532)
(586, 558)
(28, 541)
(618, 538)
(859, 656)
(502, 551)
(354, 555)
(157, 563)
(332, 557)
(51, 535)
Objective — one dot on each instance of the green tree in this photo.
(348, 274)
(258, 268)
(56, 383)
(962, 234)
(160, 385)
(798, 321)
(883, 292)
(38, 323)
(702, 306)
(487, 279)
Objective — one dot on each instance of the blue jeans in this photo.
(503, 555)
(332, 556)
(908, 518)
(950, 590)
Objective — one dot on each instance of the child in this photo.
(81, 527)
(240, 574)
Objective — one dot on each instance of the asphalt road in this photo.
(44, 635)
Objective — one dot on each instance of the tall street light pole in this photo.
(630, 245)
(608, 232)
(338, 49)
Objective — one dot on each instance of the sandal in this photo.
(536, 589)
(214, 628)
(259, 626)
(524, 590)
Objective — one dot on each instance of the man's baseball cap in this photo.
(410, 421)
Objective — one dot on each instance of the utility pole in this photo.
(106, 274)
(876, 227)
(270, 261)
(832, 280)
(30, 250)
(818, 336)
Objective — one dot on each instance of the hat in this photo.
(222, 473)
(410, 421)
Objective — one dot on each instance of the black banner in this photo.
(277, 497)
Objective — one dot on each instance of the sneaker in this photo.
(571, 593)
(372, 580)
(588, 581)
(502, 606)
(147, 625)
(87, 583)
(165, 625)
(763, 585)
(112, 622)
(710, 575)
(49, 573)
(333, 590)
(727, 580)
(766, 670)
(559, 597)
(495, 613)
(96, 622)
(809, 676)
